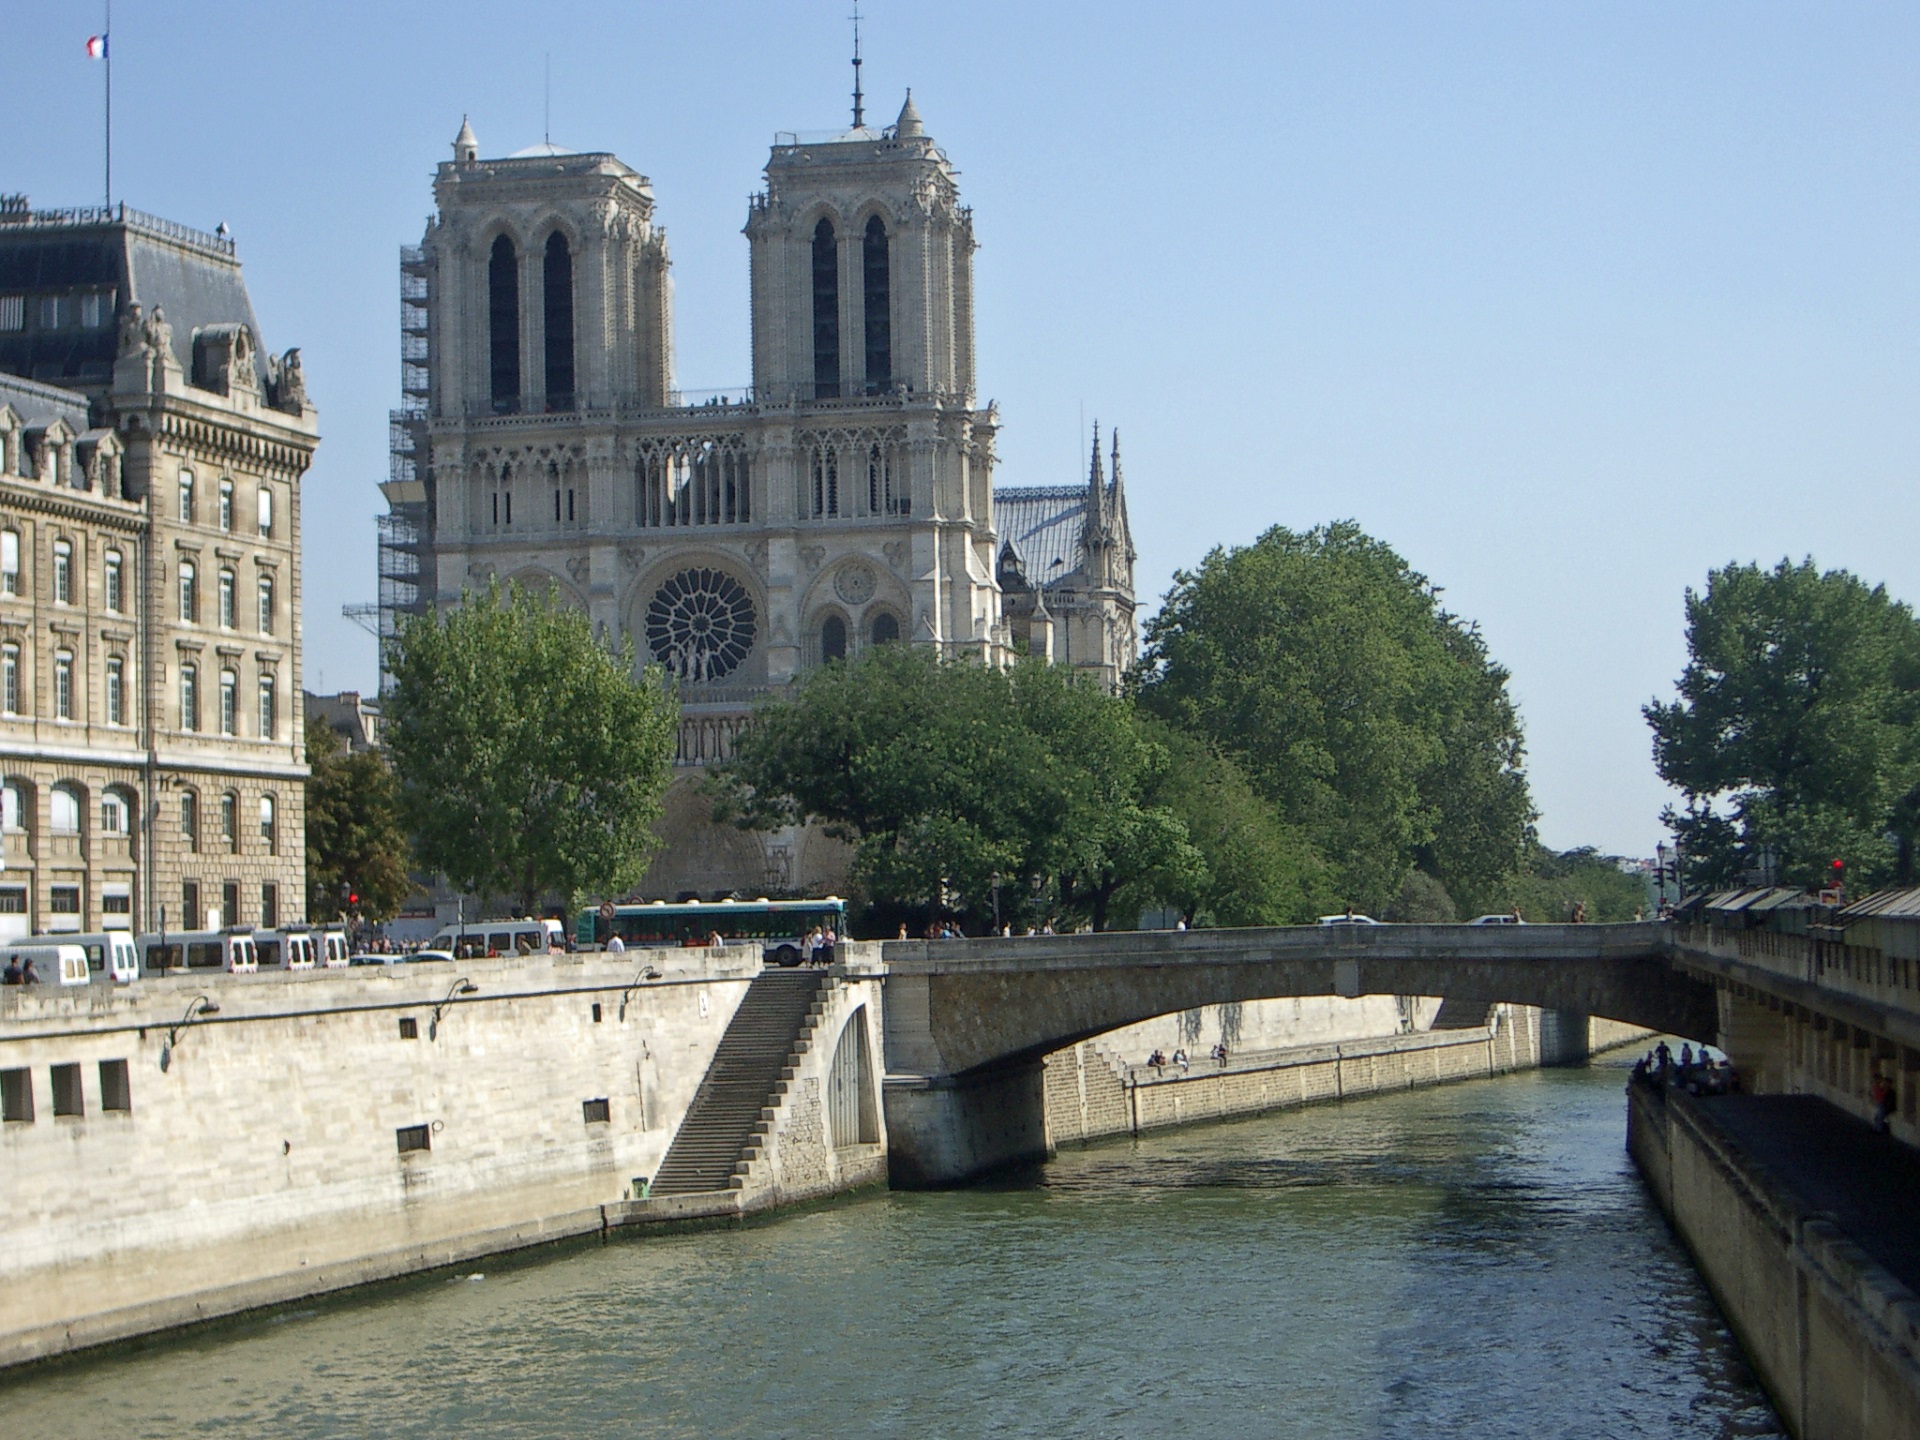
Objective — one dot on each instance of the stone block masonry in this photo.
(330, 1129)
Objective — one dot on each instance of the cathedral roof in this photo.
(1042, 524)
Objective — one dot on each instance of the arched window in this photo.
(833, 638)
(875, 272)
(190, 819)
(189, 697)
(63, 572)
(826, 312)
(559, 303)
(14, 807)
(63, 816)
(9, 562)
(116, 813)
(230, 821)
(886, 628)
(114, 577)
(264, 505)
(226, 600)
(189, 592)
(269, 708)
(226, 504)
(116, 690)
(9, 679)
(229, 703)
(503, 326)
(63, 685)
(266, 604)
(269, 830)
(186, 497)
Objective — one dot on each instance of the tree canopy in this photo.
(947, 774)
(530, 759)
(1794, 737)
(354, 840)
(1372, 720)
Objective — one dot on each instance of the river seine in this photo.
(1477, 1261)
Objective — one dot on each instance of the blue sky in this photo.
(1569, 303)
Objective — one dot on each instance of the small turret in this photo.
(908, 126)
(466, 148)
(1095, 531)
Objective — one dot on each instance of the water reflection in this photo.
(1477, 1260)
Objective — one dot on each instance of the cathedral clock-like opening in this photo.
(503, 326)
(875, 273)
(559, 306)
(826, 313)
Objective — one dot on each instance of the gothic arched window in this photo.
(559, 300)
(826, 313)
(833, 639)
(886, 628)
(503, 326)
(876, 284)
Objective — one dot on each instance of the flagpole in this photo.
(106, 40)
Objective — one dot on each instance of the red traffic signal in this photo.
(1838, 866)
(353, 898)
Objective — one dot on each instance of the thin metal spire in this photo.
(547, 114)
(859, 109)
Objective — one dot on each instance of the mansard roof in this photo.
(40, 405)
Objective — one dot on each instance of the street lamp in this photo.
(198, 1006)
(462, 986)
(645, 973)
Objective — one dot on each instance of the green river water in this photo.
(1477, 1261)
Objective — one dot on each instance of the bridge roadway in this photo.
(968, 1021)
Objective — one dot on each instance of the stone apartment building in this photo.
(843, 500)
(151, 454)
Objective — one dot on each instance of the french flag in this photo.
(96, 47)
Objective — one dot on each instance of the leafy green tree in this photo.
(1555, 884)
(1373, 720)
(354, 840)
(1793, 738)
(945, 775)
(530, 759)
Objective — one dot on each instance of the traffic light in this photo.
(1839, 871)
(353, 897)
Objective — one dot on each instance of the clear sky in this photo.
(1570, 303)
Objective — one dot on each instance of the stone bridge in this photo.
(968, 1021)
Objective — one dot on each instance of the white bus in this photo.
(229, 950)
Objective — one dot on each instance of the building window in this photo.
(9, 679)
(63, 685)
(116, 690)
(596, 1112)
(13, 312)
(226, 504)
(833, 639)
(190, 916)
(878, 314)
(67, 1096)
(266, 604)
(826, 312)
(186, 497)
(14, 808)
(64, 816)
(189, 697)
(16, 1096)
(409, 1028)
(503, 326)
(269, 708)
(269, 906)
(229, 703)
(189, 592)
(265, 508)
(9, 562)
(114, 581)
(269, 825)
(62, 572)
(117, 900)
(826, 482)
(63, 901)
(408, 1137)
(116, 1088)
(230, 821)
(886, 628)
(226, 599)
(230, 903)
(559, 306)
(116, 816)
(190, 820)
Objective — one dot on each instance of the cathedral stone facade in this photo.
(843, 500)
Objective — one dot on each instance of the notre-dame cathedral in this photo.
(845, 499)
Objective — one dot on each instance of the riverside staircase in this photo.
(736, 1105)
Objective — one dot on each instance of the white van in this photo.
(501, 937)
(64, 963)
(229, 950)
(331, 948)
(110, 954)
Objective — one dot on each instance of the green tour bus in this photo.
(779, 927)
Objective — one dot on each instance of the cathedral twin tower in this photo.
(844, 501)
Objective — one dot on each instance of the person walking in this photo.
(1882, 1096)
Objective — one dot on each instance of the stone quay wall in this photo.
(1092, 1093)
(327, 1129)
(1833, 1336)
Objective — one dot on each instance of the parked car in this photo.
(1349, 918)
(369, 959)
(1496, 920)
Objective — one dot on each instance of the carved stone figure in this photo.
(291, 392)
(133, 330)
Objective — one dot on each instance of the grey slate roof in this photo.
(1042, 523)
(39, 404)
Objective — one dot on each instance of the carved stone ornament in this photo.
(896, 552)
(853, 582)
(579, 566)
(631, 556)
(813, 555)
(757, 555)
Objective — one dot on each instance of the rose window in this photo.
(700, 625)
